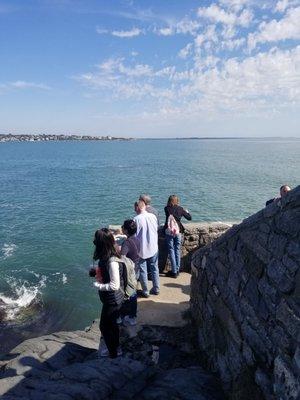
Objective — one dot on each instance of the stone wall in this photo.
(196, 235)
(245, 300)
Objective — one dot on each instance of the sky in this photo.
(150, 68)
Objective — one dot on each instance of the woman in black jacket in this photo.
(174, 229)
(110, 280)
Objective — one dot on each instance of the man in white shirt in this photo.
(148, 247)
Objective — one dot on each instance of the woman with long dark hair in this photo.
(110, 280)
(174, 229)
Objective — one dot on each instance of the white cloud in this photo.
(273, 31)
(283, 5)
(137, 71)
(126, 81)
(188, 26)
(185, 52)
(101, 31)
(232, 44)
(165, 31)
(219, 15)
(267, 81)
(127, 34)
(264, 82)
(209, 37)
(235, 4)
(184, 26)
(28, 85)
(212, 82)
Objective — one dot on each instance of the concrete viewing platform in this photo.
(168, 308)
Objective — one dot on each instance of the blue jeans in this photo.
(152, 264)
(174, 251)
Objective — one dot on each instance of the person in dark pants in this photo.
(173, 239)
(110, 280)
(130, 249)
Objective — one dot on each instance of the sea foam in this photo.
(21, 296)
(8, 250)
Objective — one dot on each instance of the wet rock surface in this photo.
(157, 363)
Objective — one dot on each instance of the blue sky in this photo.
(150, 68)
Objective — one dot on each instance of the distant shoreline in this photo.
(68, 138)
(56, 138)
(224, 138)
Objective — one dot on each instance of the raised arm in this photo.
(186, 214)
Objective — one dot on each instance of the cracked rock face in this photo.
(158, 363)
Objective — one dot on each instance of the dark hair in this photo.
(173, 200)
(130, 226)
(104, 242)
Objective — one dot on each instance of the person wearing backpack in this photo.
(173, 230)
(129, 249)
(110, 277)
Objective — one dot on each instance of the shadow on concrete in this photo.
(186, 289)
(161, 314)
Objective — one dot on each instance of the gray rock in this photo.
(288, 221)
(287, 316)
(277, 244)
(278, 273)
(291, 265)
(184, 384)
(286, 385)
(260, 323)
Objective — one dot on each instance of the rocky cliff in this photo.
(245, 299)
(157, 363)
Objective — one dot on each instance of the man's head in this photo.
(145, 198)
(284, 190)
(139, 206)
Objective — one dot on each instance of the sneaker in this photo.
(105, 352)
(140, 293)
(120, 352)
(154, 291)
(171, 274)
(129, 321)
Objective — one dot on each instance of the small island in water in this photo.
(48, 137)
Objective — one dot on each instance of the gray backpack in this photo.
(130, 282)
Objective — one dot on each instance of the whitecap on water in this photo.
(21, 296)
(8, 249)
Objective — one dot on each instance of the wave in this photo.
(11, 205)
(8, 250)
(64, 279)
(21, 296)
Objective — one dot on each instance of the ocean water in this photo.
(54, 195)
